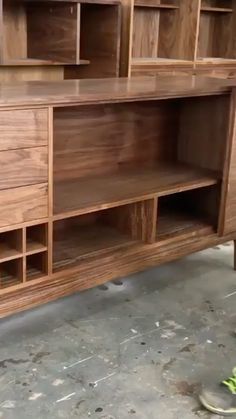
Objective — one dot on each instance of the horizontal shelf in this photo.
(153, 4)
(38, 62)
(173, 224)
(216, 9)
(88, 241)
(8, 253)
(72, 197)
(149, 61)
(33, 247)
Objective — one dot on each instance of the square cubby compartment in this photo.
(11, 273)
(95, 234)
(11, 243)
(36, 238)
(36, 266)
(192, 212)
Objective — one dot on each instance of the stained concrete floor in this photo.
(137, 348)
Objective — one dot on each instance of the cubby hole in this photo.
(36, 238)
(152, 27)
(11, 243)
(188, 213)
(215, 42)
(78, 238)
(157, 147)
(11, 273)
(36, 266)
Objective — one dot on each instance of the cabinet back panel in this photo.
(106, 138)
(145, 32)
(203, 131)
(167, 34)
(52, 31)
(15, 33)
(100, 40)
(215, 35)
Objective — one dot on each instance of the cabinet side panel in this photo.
(203, 131)
(228, 205)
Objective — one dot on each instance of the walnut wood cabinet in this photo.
(103, 178)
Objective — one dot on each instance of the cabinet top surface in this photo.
(108, 90)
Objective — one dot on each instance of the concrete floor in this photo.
(136, 348)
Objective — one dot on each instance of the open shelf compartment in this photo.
(157, 148)
(188, 213)
(11, 273)
(92, 235)
(36, 266)
(214, 41)
(11, 244)
(36, 238)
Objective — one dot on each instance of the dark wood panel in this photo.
(142, 134)
(89, 274)
(23, 128)
(53, 31)
(23, 167)
(145, 32)
(23, 204)
(203, 132)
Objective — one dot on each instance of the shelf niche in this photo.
(92, 235)
(216, 30)
(122, 153)
(164, 30)
(188, 213)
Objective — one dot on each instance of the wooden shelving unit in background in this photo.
(179, 37)
(55, 40)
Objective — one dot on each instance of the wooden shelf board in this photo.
(215, 60)
(153, 4)
(38, 62)
(7, 281)
(87, 241)
(33, 247)
(8, 253)
(171, 224)
(74, 197)
(34, 273)
(158, 61)
(216, 9)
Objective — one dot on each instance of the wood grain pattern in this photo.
(88, 274)
(15, 73)
(23, 128)
(15, 28)
(72, 196)
(72, 92)
(26, 166)
(23, 204)
(202, 124)
(142, 133)
(145, 32)
(100, 40)
(228, 206)
(52, 31)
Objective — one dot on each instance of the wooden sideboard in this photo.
(103, 178)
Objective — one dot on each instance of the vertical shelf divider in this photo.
(50, 191)
(24, 254)
(78, 33)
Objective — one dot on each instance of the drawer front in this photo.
(23, 204)
(23, 128)
(23, 167)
